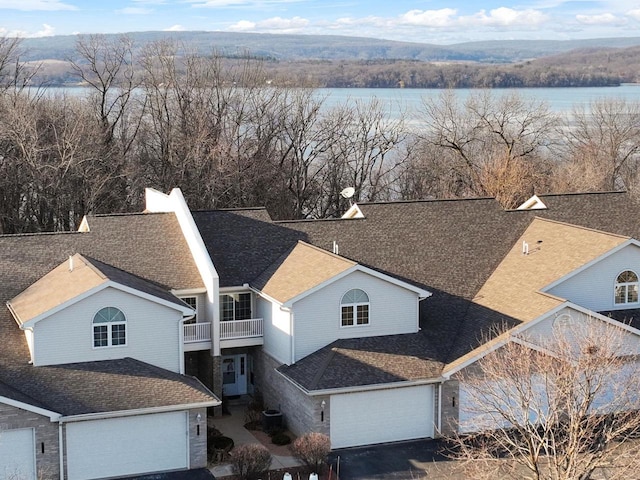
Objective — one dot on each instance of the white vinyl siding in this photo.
(593, 288)
(152, 332)
(317, 317)
(17, 454)
(127, 446)
(380, 416)
(543, 331)
(277, 330)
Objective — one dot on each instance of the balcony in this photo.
(241, 333)
(233, 333)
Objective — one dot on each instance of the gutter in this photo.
(364, 388)
(137, 411)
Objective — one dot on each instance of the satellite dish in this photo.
(348, 192)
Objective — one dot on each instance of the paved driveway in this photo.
(400, 461)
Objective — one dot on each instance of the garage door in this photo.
(17, 454)
(127, 445)
(379, 416)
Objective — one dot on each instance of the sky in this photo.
(425, 21)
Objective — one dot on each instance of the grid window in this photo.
(626, 288)
(354, 308)
(109, 328)
(235, 306)
(193, 303)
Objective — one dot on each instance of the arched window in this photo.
(109, 328)
(626, 289)
(354, 308)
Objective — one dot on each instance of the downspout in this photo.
(440, 407)
(181, 340)
(61, 450)
(293, 342)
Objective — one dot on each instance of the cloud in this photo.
(47, 31)
(134, 11)
(272, 25)
(31, 5)
(429, 18)
(635, 14)
(600, 19)
(175, 28)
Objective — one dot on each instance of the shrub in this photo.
(312, 449)
(280, 438)
(250, 461)
(221, 443)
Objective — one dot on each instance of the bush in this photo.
(250, 461)
(280, 438)
(312, 449)
(221, 443)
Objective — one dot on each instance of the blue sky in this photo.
(429, 21)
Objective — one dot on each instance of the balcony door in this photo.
(234, 374)
(235, 306)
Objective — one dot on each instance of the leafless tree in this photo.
(565, 407)
(603, 147)
(484, 135)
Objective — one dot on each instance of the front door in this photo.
(234, 374)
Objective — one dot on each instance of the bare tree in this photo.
(485, 135)
(563, 408)
(603, 146)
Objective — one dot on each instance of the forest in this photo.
(229, 138)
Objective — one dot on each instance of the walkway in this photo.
(233, 426)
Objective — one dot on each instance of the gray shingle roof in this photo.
(104, 386)
(145, 251)
(366, 361)
(449, 247)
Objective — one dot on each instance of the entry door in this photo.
(234, 374)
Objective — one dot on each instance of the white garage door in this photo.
(380, 416)
(17, 454)
(127, 445)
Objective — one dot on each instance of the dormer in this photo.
(353, 212)
(534, 203)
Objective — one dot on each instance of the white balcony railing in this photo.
(197, 332)
(241, 329)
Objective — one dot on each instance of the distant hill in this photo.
(333, 47)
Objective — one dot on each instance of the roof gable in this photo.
(545, 252)
(77, 278)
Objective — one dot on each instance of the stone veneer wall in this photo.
(198, 438)
(302, 413)
(450, 407)
(46, 432)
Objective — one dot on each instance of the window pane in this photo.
(243, 306)
(226, 308)
(621, 294)
(118, 336)
(347, 316)
(100, 336)
(363, 314)
(627, 276)
(632, 293)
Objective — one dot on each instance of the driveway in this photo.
(403, 460)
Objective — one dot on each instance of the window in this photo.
(354, 308)
(236, 306)
(626, 289)
(193, 303)
(109, 328)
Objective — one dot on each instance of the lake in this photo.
(558, 99)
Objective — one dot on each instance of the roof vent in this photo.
(335, 248)
(70, 263)
(525, 248)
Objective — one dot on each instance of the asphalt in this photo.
(402, 460)
(232, 425)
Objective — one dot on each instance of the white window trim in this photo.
(195, 307)
(230, 294)
(354, 306)
(626, 286)
(109, 331)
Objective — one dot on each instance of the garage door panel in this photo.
(127, 445)
(379, 416)
(17, 454)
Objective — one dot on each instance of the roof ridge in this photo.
(37, 234)
(324, 365)
(579, 227)
(326, 252)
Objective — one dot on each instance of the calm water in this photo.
(558, 99)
